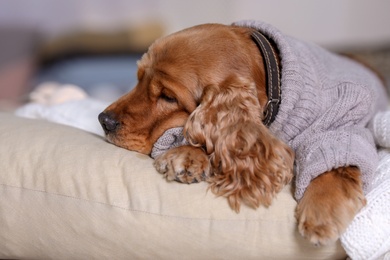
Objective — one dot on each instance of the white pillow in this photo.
(67, 194)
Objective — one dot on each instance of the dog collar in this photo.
(272, 77)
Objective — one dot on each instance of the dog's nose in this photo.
(108, 123)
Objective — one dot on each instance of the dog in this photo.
(257, 108)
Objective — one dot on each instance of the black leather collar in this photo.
(272, 77)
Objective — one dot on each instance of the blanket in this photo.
(367, 237)
(64, 104)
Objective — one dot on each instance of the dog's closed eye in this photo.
(168, 98)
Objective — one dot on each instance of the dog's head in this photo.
(172, 77)
(210, 80)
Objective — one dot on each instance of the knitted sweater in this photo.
(327, 104)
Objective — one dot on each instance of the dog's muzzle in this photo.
(108, 123)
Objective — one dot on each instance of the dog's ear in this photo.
(250, 164)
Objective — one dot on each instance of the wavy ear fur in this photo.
(250, 165)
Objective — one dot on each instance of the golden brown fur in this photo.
(210, 79)
(250, 164)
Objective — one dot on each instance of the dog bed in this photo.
(67, 194)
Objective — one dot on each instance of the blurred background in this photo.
(95, 43)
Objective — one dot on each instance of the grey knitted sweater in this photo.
(326, 108)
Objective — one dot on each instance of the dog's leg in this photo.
(187, 164)
(329, 204)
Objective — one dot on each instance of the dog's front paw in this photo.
(186, 164)
(329, 204)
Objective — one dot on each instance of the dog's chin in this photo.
(135, 146)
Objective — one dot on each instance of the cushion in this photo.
(66, 194)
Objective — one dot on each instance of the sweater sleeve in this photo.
(171, 138)
(338, 137)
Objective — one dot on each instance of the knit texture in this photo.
(368, 236)
(171, 138)
(327, 102)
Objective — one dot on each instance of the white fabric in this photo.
(81, 114)
(64, 104)
(368, 236)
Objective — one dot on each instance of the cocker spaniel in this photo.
(256, 107)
